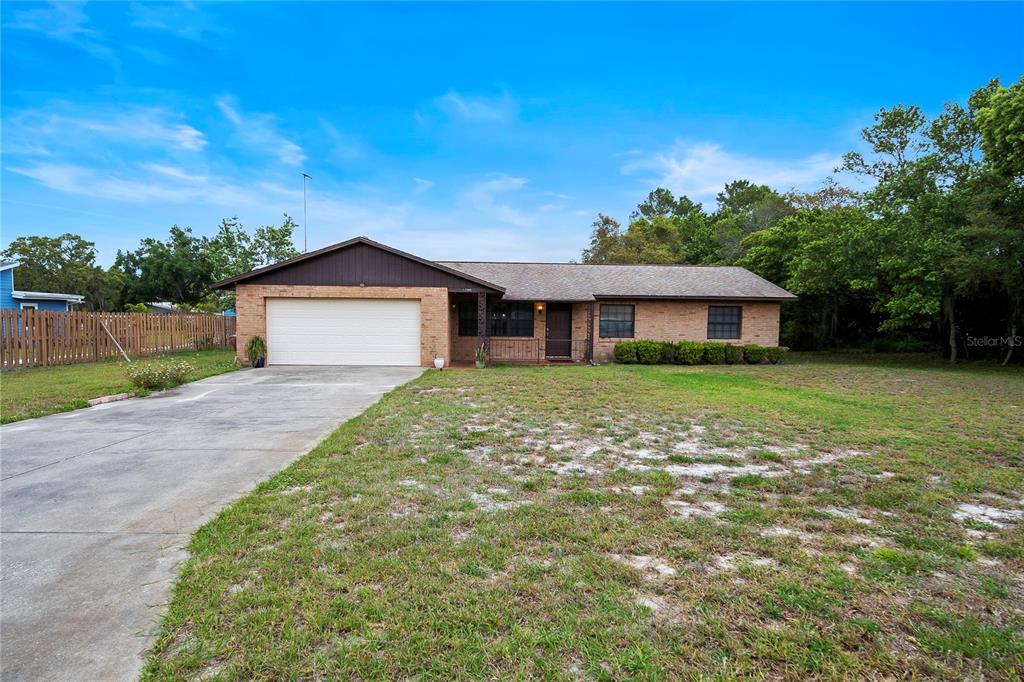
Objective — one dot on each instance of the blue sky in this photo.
(453, 131)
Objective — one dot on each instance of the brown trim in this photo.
(345, 244)
(590, 330)
(483, 327)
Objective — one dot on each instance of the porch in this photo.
(520, 331)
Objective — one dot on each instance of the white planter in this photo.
(439, 363)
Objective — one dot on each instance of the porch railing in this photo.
(535, 350)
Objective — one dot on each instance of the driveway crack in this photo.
(81, 454)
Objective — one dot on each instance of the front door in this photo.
(558, 341)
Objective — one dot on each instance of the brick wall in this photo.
(688, 321)
(662, 320)
(251, 307)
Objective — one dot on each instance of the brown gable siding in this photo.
(363, 264)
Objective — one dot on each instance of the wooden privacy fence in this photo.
(30, 338)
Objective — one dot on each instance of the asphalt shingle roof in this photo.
(577, 282)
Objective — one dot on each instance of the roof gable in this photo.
(361, 261)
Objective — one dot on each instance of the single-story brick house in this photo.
(363, 303)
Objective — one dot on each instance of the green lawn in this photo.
(822, 519)
(39, 391)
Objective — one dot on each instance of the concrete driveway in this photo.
(96, 505)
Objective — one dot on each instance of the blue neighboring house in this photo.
(11, 298)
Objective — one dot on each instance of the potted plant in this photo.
(256, 351)
(438, 361)
(481, 356)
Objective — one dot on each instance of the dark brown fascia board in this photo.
(345, 244)
(623, 297)
(740, 299)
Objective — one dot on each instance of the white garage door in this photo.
(332, 331)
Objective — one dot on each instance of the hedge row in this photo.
(647, 352)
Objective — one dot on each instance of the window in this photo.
(616, 321)
(467, 318)
(724, 321)
(30, 306)
(514, 318)
(506, 319)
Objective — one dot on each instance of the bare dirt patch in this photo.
(650, 567)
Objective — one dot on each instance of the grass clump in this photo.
(946, 634)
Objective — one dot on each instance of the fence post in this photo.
(44, 338)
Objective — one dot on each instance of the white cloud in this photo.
(64, 21)
(59, 20)
(480, 108)
(141, 184)
(259, 131)
(183, 19)
(66, 127)
(701, 170)
(481, 197)
(153, 184)
(422, 185)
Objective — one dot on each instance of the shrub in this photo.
(714, 353)
(648, 352)
(733, 354)
(156, 375)
(754, 354)
(668, 353)
(625, 352)
(689, 352)
(775, 353)
(255, 349)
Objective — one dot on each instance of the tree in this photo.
(182, 268)
(941, 235)
(820, 254)
(606, 234)
(1000, 121)
(661, 203)
(64, 264)
(233, 251)
(274, 243)
(745, 208)
(997, 215)
(178, 270)
(831, 195)
(662, 229)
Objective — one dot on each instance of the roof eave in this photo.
(48, 296)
